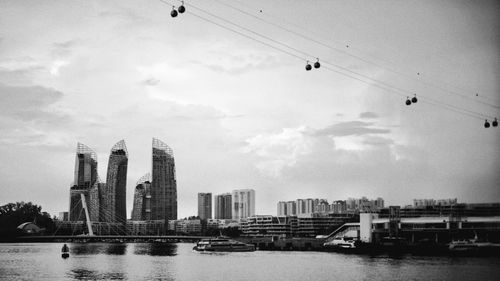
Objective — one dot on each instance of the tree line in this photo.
(14, 214)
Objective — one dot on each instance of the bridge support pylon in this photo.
(89, 224)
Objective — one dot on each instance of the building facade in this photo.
(223, 206)
(84, 180)
(95, 200)
(114, 195)
(205, 205)
(338, 207)
(243, 203)
(301, 206)
(301, 226)
(141, 210)
(148, 227)
(163, 184)
(282, 208)
(185, 226)
(291, 208)
(63, 216)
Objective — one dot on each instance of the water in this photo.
(142, 261)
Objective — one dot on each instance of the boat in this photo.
(65, 251)
(341, 242)
(222, 245)
(462, 245)
(473, 245)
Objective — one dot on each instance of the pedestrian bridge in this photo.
(111, 238)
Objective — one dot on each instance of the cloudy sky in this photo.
(242, 112)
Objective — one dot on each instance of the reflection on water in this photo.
(155, 249)
(98, 248)
(164, 261)
(84, 274)
(116, 249)
(86, 248)
(151, 249)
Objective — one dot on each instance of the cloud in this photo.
(27, 103)
(338, 143)
(56, 66)
(357, 128)
(368, 115)
(19, 64)
(122, 14)
(29, 116)
(238, 64)
(377, 141)
(64, 49)
(151, 82)
(22, 70)
(277, 151)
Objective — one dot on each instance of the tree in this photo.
(14, 214)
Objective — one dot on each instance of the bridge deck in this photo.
(108, 237)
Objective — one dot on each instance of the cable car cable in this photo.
(358, 57)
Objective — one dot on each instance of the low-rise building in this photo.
(264, 225)
(304, 225)
(193, 226)
(151, 227)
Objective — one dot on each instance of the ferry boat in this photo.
(473, 245)
(222, 245)
(462, 245)
(341, 242)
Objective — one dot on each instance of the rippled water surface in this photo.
(141, 261)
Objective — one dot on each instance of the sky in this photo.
(237, 106)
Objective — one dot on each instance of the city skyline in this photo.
(243, 114)
(107, 202)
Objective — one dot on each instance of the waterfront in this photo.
(143, 261)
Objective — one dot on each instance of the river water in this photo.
(142, 261)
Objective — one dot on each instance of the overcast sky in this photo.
(241, 114)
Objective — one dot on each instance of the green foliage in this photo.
(231, 232)
(14, 214)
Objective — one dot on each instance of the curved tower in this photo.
(85, 179)
(114, 207)
(163, 184)
(141, 210)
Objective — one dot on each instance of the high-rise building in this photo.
(114, 208)
(205, 205)
(379, 203)
(310, 203)
(338, 207)
(63, 216)
(351, 204)
(163, 184)
(243, 203)
(301, 206)
(85, 179)
(291, 208)
(95, 201)
(281, 208)
(141, 210)
(322, 206)
(223, 206)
